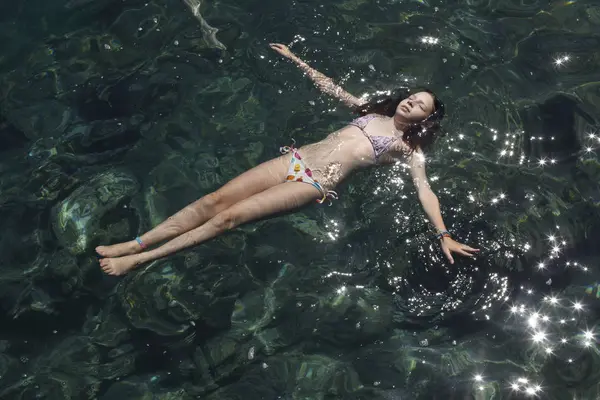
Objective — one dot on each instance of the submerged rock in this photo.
(69, 369)
(353, 315)
(296, 377)
(76, 220)
(142, 388)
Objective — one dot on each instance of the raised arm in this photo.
(324, 83)
(431, 206)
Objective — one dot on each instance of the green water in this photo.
(115, 114)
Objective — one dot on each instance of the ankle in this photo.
(140, 244)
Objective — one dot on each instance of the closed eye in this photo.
(419, 102)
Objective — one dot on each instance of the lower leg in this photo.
(209, 230)
(191, 216)
(212, 228)
(188, 218)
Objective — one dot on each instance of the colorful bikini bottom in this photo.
(299, 172)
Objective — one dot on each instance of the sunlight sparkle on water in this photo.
(548, 319)
(539, 337)
(561, 60)
(533, 320)
(429, 40)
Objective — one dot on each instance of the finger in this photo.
(469, 248)
(464, 253)
(449, 256)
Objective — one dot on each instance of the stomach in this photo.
(335, 157)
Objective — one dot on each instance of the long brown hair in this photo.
(419, 135)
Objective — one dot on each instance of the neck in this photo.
(398, 123)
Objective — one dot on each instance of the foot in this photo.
(118, 265)
(120, 249)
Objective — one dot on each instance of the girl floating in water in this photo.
(390, 130)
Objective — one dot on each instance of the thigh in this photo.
(253, 181)
(281, 198)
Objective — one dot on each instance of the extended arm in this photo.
(327, 85)
(324, 83)
(431, 206)
(428, 199)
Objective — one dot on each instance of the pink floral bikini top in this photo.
(380, 144)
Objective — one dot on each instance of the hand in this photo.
(282, 49)
(450, 246)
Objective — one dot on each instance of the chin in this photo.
(401, 116)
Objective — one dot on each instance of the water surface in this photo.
(115, 114)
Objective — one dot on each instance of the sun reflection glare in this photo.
(429, 40)
(561, 60)
(539, 336)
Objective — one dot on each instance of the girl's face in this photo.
(415, 108)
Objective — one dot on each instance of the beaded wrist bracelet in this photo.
(443, 234)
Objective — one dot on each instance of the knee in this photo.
(225, 221)
(214, 202)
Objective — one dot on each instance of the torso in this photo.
(349, 148)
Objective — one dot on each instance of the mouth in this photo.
(405, 108)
